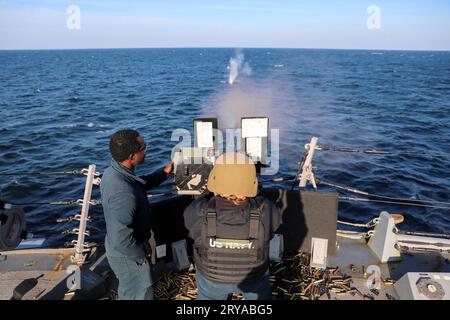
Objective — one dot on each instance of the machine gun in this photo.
(192, 166)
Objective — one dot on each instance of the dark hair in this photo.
(123, 143)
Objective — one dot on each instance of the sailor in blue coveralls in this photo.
(127, 214)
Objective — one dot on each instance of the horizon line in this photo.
(221, 47)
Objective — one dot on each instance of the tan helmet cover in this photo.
(233, 174)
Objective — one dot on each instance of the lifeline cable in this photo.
(280, 179)
(396, 200)
(78, 202)
(381, 152)
(357, 191)
(74, 172)
(392, 202)
(81, 172)
(92, 202)
(424, 234)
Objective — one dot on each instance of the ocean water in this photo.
(58, 109)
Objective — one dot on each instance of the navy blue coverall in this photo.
(128, 228)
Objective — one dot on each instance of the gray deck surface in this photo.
(353, 258)
(31, 263)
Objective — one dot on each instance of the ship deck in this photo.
(353, 257)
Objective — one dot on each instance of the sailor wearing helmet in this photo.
(231, 232)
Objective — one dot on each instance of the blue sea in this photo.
(59, 107)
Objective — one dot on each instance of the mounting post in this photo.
(79, 255)
(307, 169)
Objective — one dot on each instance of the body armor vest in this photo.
(239, 253)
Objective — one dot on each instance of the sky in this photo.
(351, 24)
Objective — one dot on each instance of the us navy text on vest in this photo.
(230, 244)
